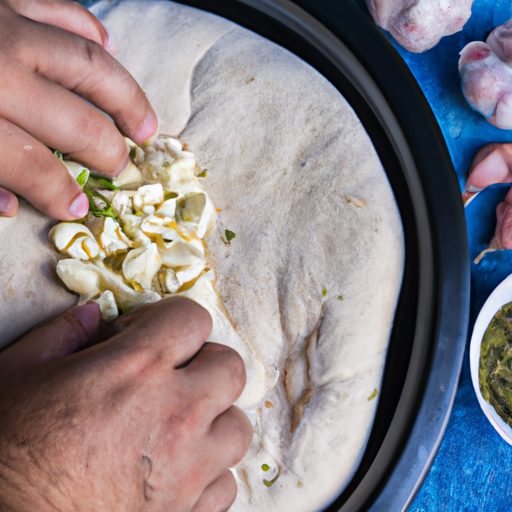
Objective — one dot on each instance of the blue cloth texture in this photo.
(473, 469)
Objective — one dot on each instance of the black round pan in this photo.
(425, 353)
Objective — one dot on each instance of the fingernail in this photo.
(148, 130)
(110, 44)
(89, 315)
(472, 189)
(80, 206)
(8, 203)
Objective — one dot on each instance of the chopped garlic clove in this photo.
(89, 280)
(131, 227)
(148, 195)
(178, 173)
(154, 225)
(74, 239)
(190, 273)
(76, 250)
(181, 254)
(168, 280)
(131, 177)
(195, 213)
(167, 208)
(141, 265)
(74, 168)
(108, 307)
(112, 237)
(122, 203)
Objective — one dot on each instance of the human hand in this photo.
(52, 51)
(493, 164)
(136, 416)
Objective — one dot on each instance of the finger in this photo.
(170, 330)
(93, 74)
(8, 203)
(76, 329)
(64, 14)
(219, 495)
(218, 376)
(61, 120)
(492, 164)
(230, 437)
(29, 168)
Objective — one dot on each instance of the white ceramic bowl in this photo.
(500, 296)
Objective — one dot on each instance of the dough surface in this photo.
(312, 278)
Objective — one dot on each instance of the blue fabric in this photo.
(473, 469)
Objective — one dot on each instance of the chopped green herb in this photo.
(265, 467)
(340, 297)
(106, 211)
(202, 174)
(324, 292)
(229, 235)
(270, 483)
(82, 178)
(58, 154)
(96, 182)
(169, 195)
(133, 153)
(373, 395)
(166, 164)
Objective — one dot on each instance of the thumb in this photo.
(75, 330)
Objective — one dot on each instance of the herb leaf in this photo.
(96, 182)
(82, 178)
(229, 235)
(373, 395)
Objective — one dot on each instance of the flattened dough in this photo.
(300, 184)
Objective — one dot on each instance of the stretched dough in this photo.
(299, 182)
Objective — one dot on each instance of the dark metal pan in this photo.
(427, 344)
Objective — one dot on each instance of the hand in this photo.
(133, 417)
(52, 51)
(493, 164)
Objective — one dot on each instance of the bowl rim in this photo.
(500, 296)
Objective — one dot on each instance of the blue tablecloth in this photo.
(473, 469)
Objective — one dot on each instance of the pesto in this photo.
(496, 363)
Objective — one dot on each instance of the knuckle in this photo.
(228, 491)
(237, 373)
(241, 433)
(189, 421)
